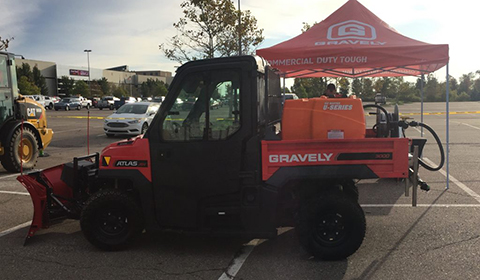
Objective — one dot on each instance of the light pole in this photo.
(88, 60)
(239, 29)
(88, 109)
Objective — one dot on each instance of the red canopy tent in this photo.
(353, 42)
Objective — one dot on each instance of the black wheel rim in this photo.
(330, 229)
(112, 222)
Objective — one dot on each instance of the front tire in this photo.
(144, 128)
(20, 152)
(331, 227)
(111, 219)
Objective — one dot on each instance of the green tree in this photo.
(119, 92)
(153, 87)
(34, 77)
(343, 86)
(368, 92)
(66, 85)
(25, 71)
(309, 87)
(209, 28)
(39, 80)
(81, 88)
(432, 89)
(26, 87)
(104, 87)
(357, 86)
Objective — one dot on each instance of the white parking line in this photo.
(10, 230)
(418, 205)
(9, 176)
(19, 193)
(469, 125)
(238, 261)
(456, 182)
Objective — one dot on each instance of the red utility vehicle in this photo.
(239, 169)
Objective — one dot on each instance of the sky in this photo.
(121, 32)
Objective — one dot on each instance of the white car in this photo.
(130, 119)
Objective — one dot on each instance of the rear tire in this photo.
(17, 155)
(67, 108)
(331, 227)
(111, 219)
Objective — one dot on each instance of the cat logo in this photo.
(31, 112)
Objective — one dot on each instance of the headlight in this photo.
(134, 121)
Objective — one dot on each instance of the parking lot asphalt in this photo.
(438, 239)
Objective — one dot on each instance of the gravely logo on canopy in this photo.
(351, 32)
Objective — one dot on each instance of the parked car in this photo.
(107, 102)
(49, 102)
(86, 103)
(39, 98)
(119, 103)
(95, 101)
(290, 96)
(131, 119)
(68, 103)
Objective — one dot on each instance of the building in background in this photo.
(119, 76)
(47, 69)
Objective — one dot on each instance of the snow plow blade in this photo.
(55, 191)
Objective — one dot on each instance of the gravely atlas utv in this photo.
(223, 157)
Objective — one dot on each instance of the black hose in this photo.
(375, 127)
(378, 107)
(440, 147)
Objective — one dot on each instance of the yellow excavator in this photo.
(23, 122)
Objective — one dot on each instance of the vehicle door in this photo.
(196, 150)
(6, 93)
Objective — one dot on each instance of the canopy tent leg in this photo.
(448, 127)
(421, 99)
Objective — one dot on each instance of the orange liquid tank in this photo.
(323, 118)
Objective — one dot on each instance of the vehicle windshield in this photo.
(65, 100)
(132, 109)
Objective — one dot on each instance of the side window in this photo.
(207, 107)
